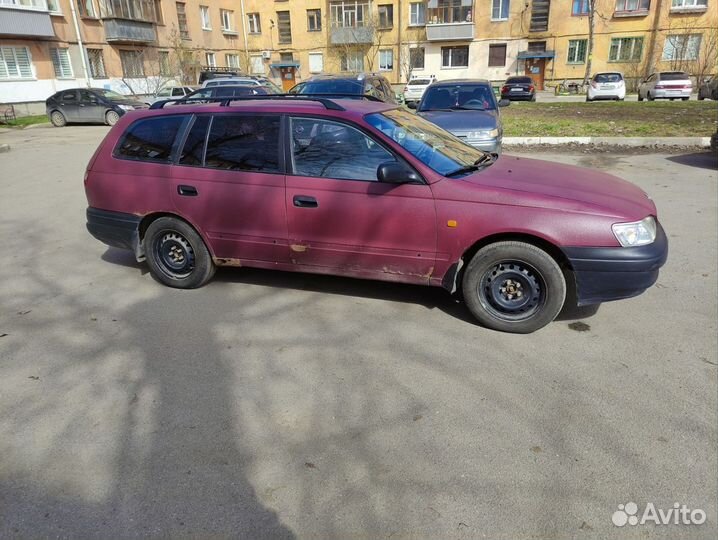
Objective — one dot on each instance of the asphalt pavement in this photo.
(278, 405)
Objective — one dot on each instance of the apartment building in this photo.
(136, 45)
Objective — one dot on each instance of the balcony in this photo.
(341, 35)
(449, 20)
(129, 31)
(28, 18)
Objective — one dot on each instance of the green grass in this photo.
(611, 119)
(26, 121)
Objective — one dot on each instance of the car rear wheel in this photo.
(514, 287)
(58, 119)
(685, 99)
(650, 97)
(177, 255)
(111, 117)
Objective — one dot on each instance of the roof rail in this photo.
(324, 99)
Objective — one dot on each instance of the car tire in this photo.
(533, 97)
(649, 97)
(700, 97)
(58, 119)
(111, 118)
(685, 98)
(513, 287)
(640, 97)
(177, 255)
(588, 100)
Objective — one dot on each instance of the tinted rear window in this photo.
(674, 76)
(519, 80)
(332, 87)
(151, 139)
(244, 143)
(608, 77)
(419, 81)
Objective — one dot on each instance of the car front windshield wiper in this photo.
(462, 108)
(484, 161)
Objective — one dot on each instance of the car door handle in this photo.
(302, 201)
(187, 191)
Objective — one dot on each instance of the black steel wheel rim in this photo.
(174, 254)
(512, 290)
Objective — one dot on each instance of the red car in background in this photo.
(368, 190)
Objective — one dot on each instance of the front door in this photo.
(234, 191)
(288, 78)
(91, 110)
(340, 217)
(535, 68)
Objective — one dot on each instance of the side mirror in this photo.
(392, 172)
(504, 103)
(412, 105)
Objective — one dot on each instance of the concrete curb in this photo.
(35, 126)
(703, 142)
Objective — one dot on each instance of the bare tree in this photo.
(693, 47)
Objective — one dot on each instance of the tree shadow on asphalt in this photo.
(702, 160)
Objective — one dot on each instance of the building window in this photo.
(627, 6)
(204, 16)
(316, 62)
(182, 20)
(256, 63)
(417, 14)
(349, 14)
(416, 58)
(352, 61)
(449, 11)
(386, 16)
(53, 6)
(580, 7)
(452, 57)
(232, 61)
(497, 54)
(132, 66)
(689, 4)
(314, 20)
(500, 10)
(157, 12)
(682, 47)
(15, 63)
(255, 26)
(210, 59)
(165, 66)
(97, 63)
(626, 49)
(85, 8)
(227, 18)
(576, 51)
(61, 63)
(386, 60)
(284, 27)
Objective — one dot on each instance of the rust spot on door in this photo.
(299, 248)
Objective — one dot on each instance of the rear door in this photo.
(70, 105)
(229, 182)
(341, 218)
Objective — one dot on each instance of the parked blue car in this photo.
(466, 108)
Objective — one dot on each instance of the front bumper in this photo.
(610, 273)
(115, 229)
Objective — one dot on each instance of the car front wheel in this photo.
(177, 255)
(514, 287)
(111, 118)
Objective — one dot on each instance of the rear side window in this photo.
(150, 139)
(69, 96)
(244, 143)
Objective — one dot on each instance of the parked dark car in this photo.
(368, 190)
(227, 91)
(89, 105)
(709, 90)
(466, 108)
(359, 84)
(518, 88)
(208, 73)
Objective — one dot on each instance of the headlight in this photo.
(637, 233)
(126, 107)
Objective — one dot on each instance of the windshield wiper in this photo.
(484, 161)
(462, 108)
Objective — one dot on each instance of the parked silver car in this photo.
(415, 88)
(466, 108)
(169, 92)
(666, 85)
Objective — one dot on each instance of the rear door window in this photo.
(151, 139)
(193, 150)
(244, 143)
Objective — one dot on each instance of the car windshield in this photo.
(478, 97)
(109, 94)
(331, 86)
(674, 76)
(608, 77)
(430, 144)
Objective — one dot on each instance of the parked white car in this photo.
(169, 92)
(666, 85)
(606, 85)
(415, 88)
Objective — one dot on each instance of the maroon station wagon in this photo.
(368, 190)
